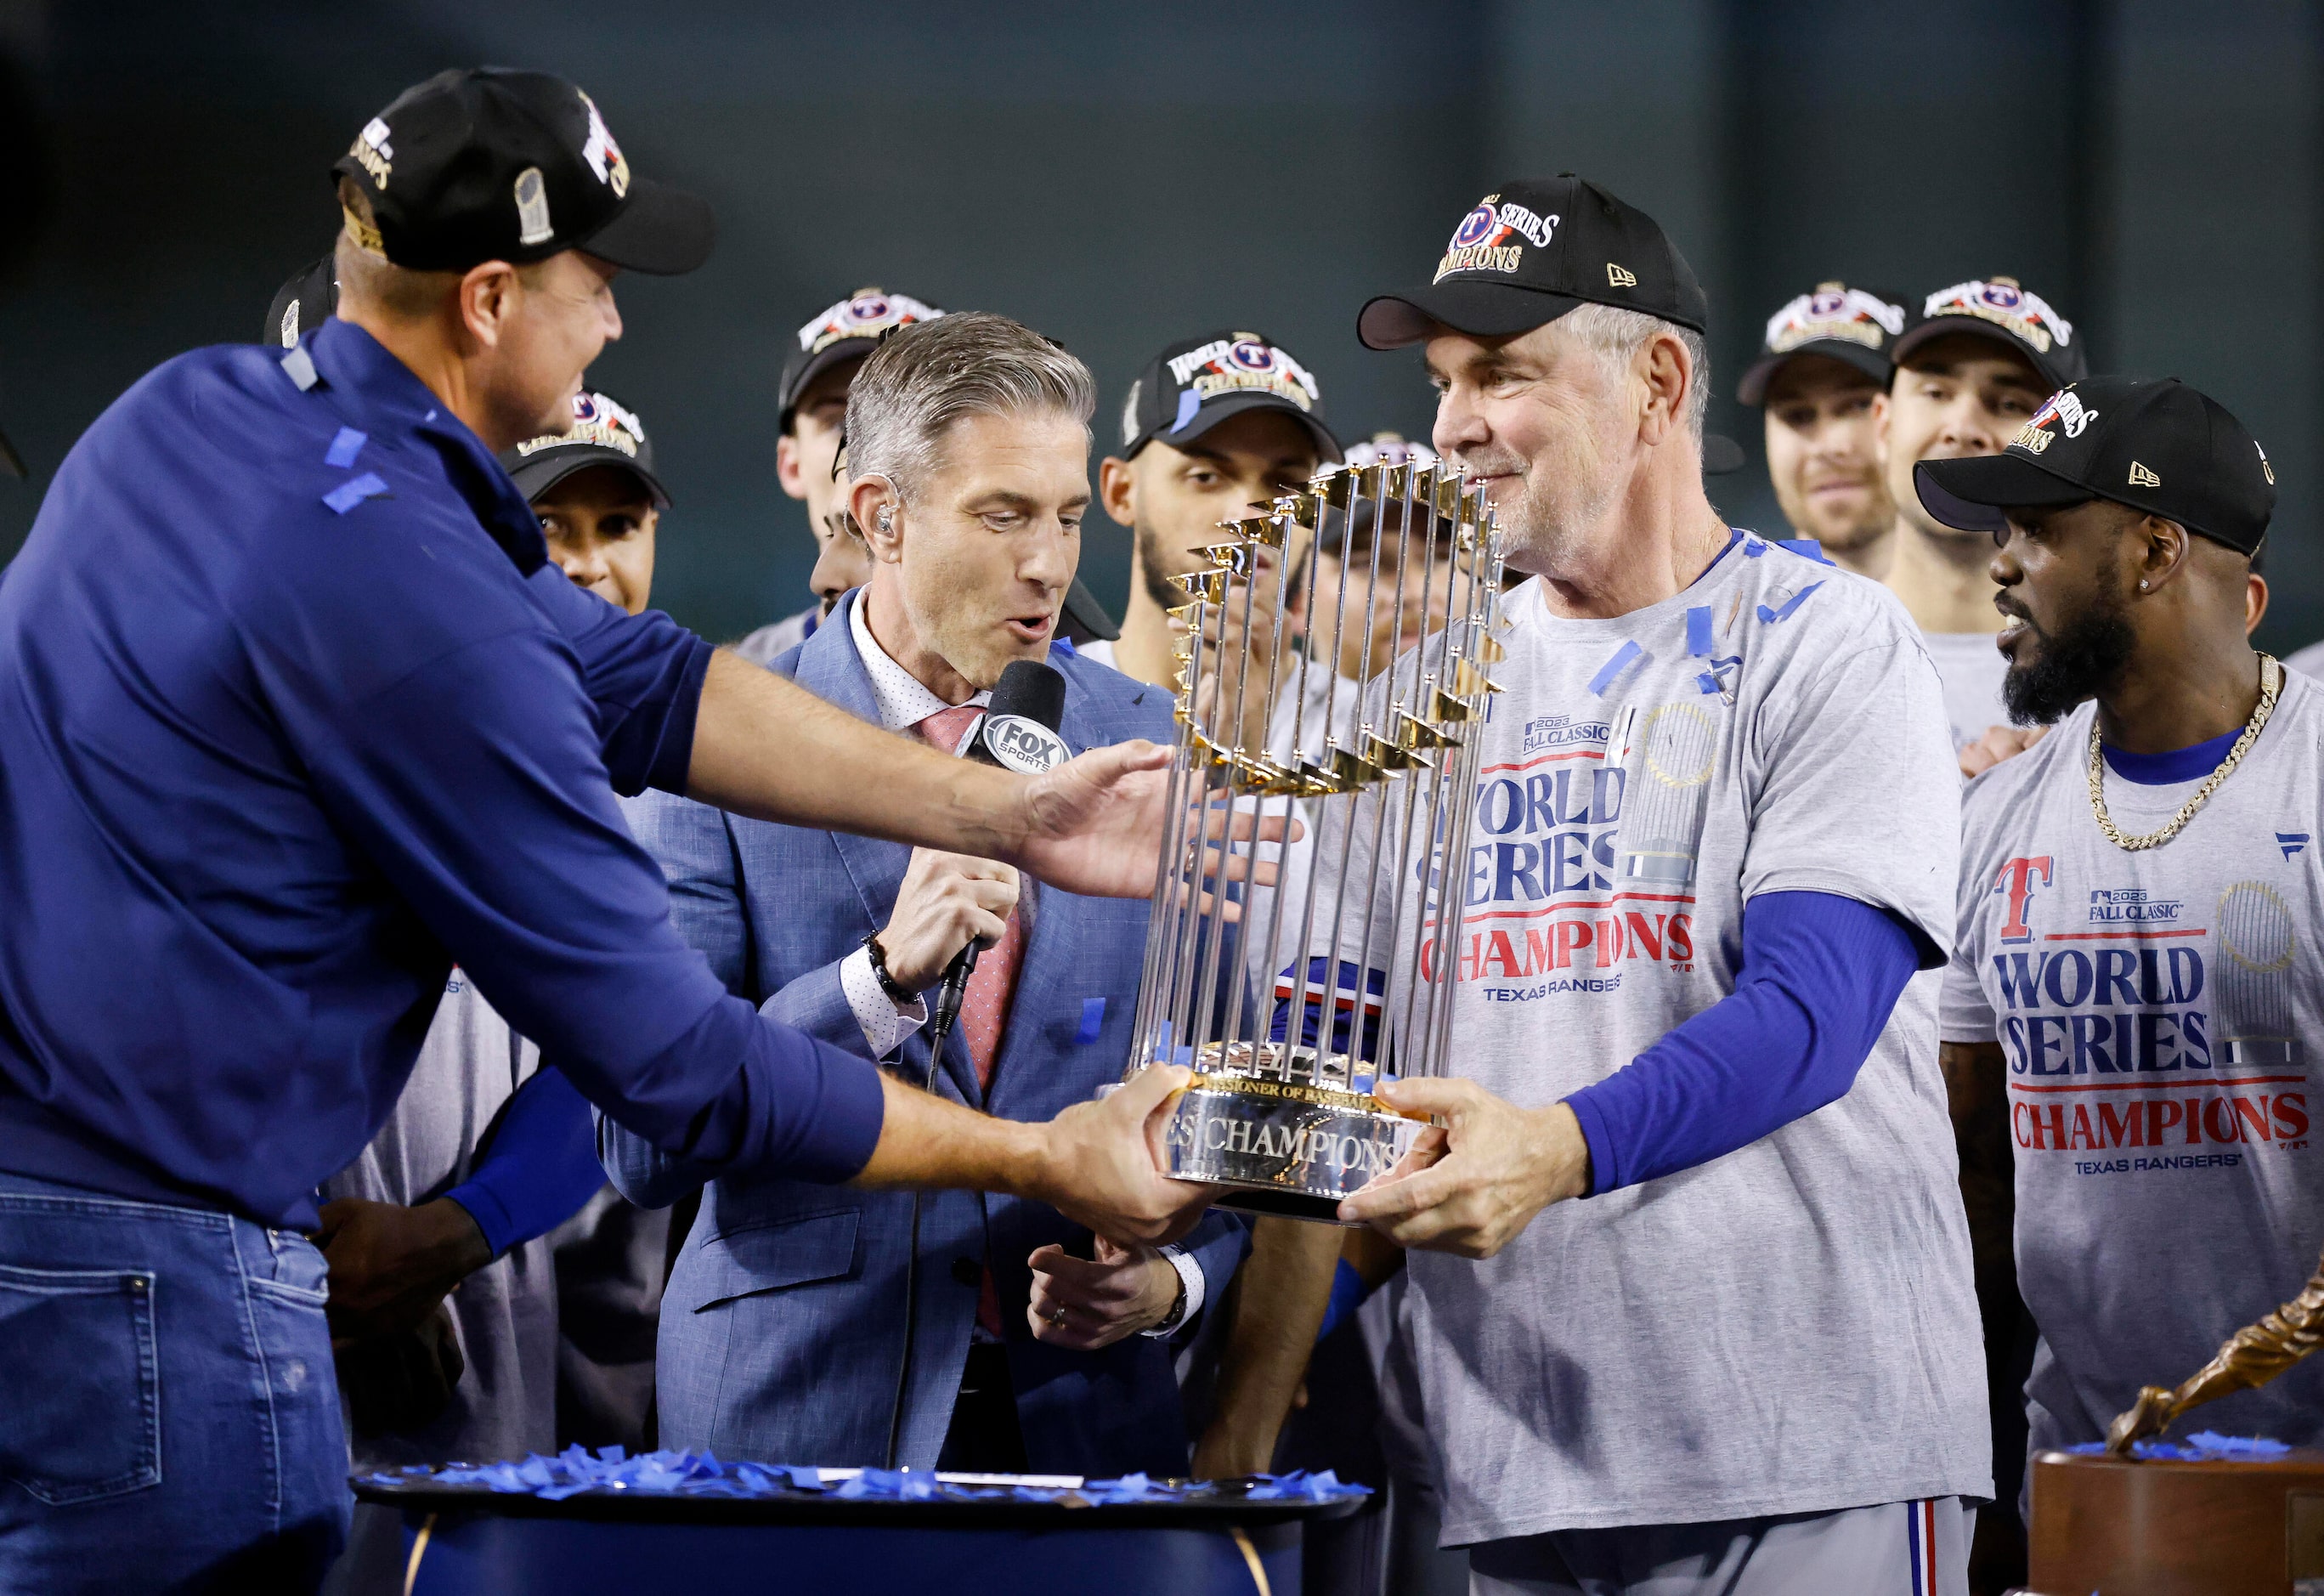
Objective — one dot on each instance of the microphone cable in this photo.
(1019, 732)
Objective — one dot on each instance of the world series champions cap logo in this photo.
(866, 313)
(1834, 311)
(2001, 300)
(1243, 363)
(1492, 237)
(603, 155)
(597, 420)
(2064, 408)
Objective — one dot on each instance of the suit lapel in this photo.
(830, 668)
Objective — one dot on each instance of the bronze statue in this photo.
(2253, 1356)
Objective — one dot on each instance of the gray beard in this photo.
(1538, 541)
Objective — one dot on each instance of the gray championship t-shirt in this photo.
(2308, 662)
(505, 1315)
(2154, 1010)
(1788, 1329)
(1970, 668)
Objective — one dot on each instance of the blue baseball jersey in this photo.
(294, 712)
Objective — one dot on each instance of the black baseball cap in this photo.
(848, 330)
(484, 163)
(1531, 251)
(604, 432)
(2159, 447)
(1854, 325)
(303, 303)
(1195, 384)
(1084, 618)
(2003, 309)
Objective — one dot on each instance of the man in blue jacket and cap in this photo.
(295, 713)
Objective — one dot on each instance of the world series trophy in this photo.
(1286, 1121)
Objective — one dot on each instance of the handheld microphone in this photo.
(1019, 732)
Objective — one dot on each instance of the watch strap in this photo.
(897, 992)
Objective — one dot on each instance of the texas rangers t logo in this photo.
(2017, 880)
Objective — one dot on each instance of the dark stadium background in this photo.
(1117, 175)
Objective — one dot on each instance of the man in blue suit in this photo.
(1034, 1344)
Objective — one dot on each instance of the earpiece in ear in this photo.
(887, 524)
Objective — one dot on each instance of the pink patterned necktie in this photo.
(984, 1007)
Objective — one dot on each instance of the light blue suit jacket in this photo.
(782, 1327)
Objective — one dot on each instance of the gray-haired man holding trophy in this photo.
(1682, 916)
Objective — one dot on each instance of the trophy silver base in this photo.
(1283, 1147)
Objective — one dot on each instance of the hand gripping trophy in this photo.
(1281, 1109)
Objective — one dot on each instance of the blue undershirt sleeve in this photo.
(1820, 974)
(540, 1167)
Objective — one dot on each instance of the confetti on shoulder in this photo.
(345, 447)
(1769, 617)
(354, 491)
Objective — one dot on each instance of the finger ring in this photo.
(1058, 1317)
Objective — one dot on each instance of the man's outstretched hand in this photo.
(1098, 1163)
(1471, 1184)
(1102, 1164)
(1094, 824)
(766, 747)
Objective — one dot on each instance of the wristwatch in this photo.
(897, 993)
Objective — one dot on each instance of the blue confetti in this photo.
(1167, 1053)
(1614, 667)
(354, 491)
(1716, 678)
(1092, 1020)
(2204, 1446)
(345, 447)
(1806, 547)
(1698, 631)
(1301, 1486)
(1753, 548)
(576, 1472)
(1770, 617)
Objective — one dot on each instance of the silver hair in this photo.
(923, 380)
(1615, 336)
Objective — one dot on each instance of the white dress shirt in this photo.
(903, 701)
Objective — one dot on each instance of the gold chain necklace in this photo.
(2271, 681)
